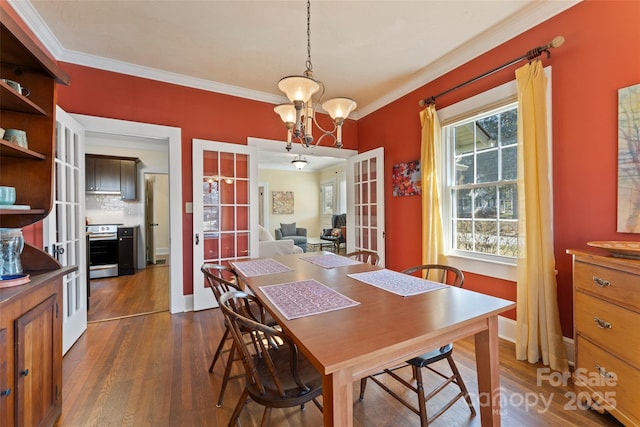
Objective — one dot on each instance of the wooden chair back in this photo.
(277, 375)
(365, 256)
(438, 273)
(220, 279)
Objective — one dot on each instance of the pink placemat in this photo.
(259, 267)
(331, 261)
(398, 283)
(305, 298)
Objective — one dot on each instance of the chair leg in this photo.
(236, 412)
(460, 382)
(219, 350)
(363, 386)
(227, 374)
(422, 403)
(265, 416)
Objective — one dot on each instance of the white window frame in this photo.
(486, 265)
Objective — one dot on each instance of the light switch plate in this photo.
(188, 207)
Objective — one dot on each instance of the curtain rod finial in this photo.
(557, 42)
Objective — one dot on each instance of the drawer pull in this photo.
(6, 392)
(603, 372)
(601, 282)
(602, 324)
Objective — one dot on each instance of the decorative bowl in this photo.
(7, 195)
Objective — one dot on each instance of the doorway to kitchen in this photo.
(139, 225)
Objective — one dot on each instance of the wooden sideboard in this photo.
(606, 309)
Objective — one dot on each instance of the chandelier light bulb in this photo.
(339, 107)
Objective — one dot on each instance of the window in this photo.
(478, 185)
(481, 186)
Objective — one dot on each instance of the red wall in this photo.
(600, 55)
(200, 114)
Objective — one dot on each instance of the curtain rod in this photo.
(533, 53)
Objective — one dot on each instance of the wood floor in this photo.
(151, 370)
(147, 291)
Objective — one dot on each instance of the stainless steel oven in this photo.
(103, 250)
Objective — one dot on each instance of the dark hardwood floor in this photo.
(151, 370)
(146, 291)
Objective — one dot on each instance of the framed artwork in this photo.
(628, 161)
(407, 179)
(282, 202)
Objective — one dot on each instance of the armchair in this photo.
(291, 232)
(336, 234)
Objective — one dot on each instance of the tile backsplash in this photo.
(111, 209)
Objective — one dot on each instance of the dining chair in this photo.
(279, 377)
(453, 277)
(368, 257)
(221, 279)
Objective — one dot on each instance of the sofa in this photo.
(292, 232)
(268, 246)
(337, 233)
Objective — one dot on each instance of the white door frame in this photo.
(174, 136)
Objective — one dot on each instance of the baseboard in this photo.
(188, 303)
(507, 331)
(162, 251)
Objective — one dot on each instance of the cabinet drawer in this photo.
(593, 365)
(608, 325)
(613, 285)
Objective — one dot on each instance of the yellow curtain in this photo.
(538, 323)
(430, 165)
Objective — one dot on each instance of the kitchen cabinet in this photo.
(30, 314)
(126, 250)
(102, 174)
(111, 175)
(606, 321)
(128, 179)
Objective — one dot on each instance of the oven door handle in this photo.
(112, 236)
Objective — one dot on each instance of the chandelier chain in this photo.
(308, 63)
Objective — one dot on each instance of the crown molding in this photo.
(514, 26)
(528, 18)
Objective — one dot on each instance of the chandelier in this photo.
(300, 115)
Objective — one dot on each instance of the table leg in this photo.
(337, 399)
(488, 366)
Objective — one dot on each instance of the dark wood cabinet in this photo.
(128, 179)
(102, 174)
(126, 250)
(30, 314)
(111, 175)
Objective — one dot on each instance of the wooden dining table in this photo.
(384, 330)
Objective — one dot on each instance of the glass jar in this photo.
(11, 245)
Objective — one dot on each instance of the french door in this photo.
(64, 228)
(225, 209)
(365, 202)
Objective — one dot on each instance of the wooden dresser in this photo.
(606, 309)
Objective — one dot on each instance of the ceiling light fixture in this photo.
(300, 115)
(299, 162)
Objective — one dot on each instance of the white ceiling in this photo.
(371, 51)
